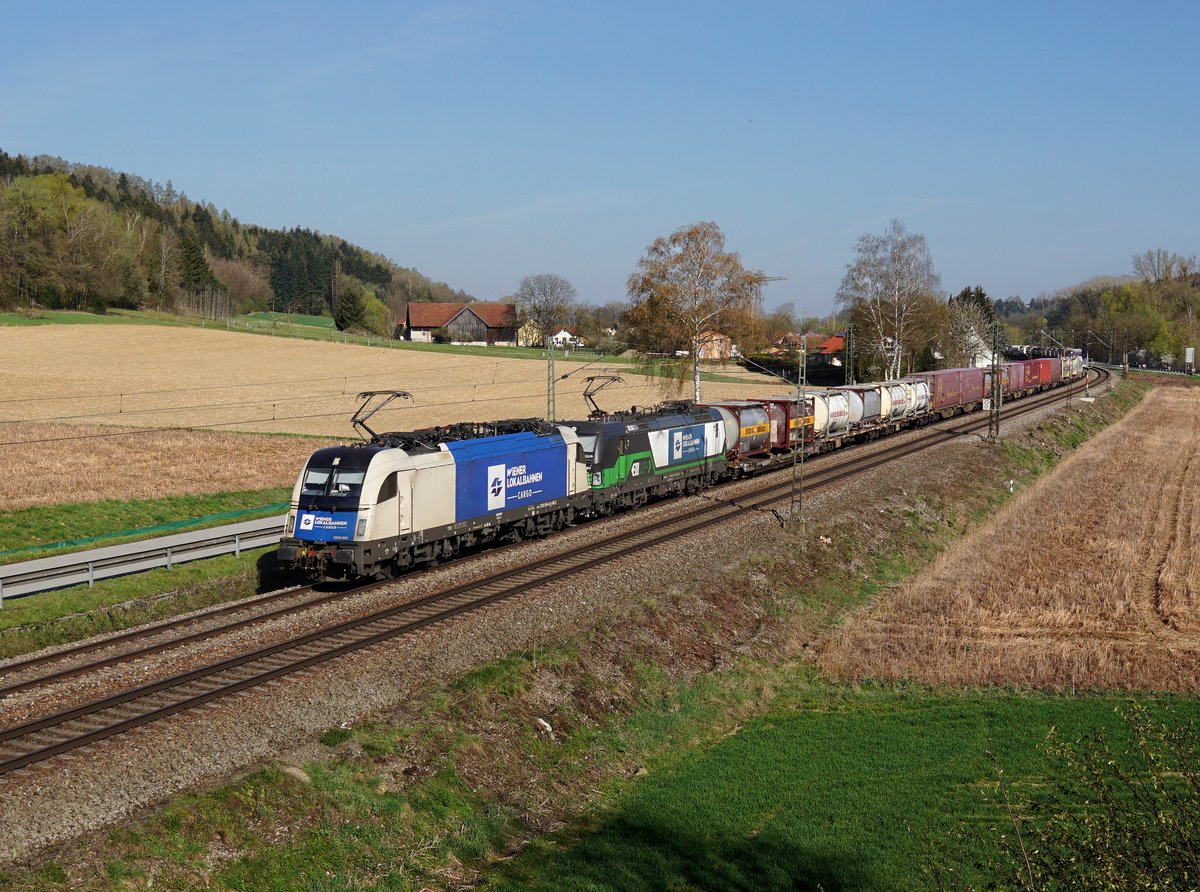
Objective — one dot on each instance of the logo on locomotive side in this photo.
(306, 521)
(496, 488)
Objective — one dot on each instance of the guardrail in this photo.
(79, 567)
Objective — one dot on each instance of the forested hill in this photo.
(76, 236)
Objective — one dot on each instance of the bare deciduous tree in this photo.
(688, 288)
(968, 334)
(886, 288)
(168, 260)
(1157, 265)
(546, 300)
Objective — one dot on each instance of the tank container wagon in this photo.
(792, 421)
(747, 429)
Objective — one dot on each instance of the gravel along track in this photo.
(92, 786)
(34, 687)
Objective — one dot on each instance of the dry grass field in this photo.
(1089, 579)
(50, 464)
(65, 389)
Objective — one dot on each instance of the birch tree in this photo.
(886, 289)
(687, 290)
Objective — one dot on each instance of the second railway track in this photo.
(45, 737)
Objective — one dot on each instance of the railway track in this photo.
(45, 737)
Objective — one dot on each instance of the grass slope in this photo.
(111, 521)
(881, 788)
(755, 775)
(112, 605)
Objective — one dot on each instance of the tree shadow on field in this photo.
(626, 855)
(272, 575)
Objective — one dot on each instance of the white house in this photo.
(566, 337)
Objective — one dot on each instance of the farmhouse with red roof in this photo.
(478, 323)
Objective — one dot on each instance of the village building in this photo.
(567, 337)
(716, 346)
(529, 335)
(478, 323)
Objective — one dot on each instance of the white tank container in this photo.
(920, 397)
(831, 411)
(854, 401)
(899, 396)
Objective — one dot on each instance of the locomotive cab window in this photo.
(315, 481)
(336, 482)
(388, 489)
(346, 482)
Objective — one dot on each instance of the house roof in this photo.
(495, 315)
(432, 315)
(811, 340)
(437, 315)
(835, 344)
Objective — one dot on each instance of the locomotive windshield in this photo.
(340, 482)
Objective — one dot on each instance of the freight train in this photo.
(396, 500)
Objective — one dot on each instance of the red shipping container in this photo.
(974, 385)
(1016, 377)
(951, 388)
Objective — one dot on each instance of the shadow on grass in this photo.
(626, 855)
(273, 575)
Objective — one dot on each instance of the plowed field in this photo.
(1087, 579)
(66, 392)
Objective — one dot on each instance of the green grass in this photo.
(1071, 428)
(70, 614)
(876, 788)
(292, 319)
(119, 521)
(62, 317)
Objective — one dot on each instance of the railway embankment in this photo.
(519, 721)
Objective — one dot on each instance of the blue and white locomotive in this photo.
(377, 508)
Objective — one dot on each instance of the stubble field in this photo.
(1088, 579)
(92, 412)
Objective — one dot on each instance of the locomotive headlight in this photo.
(290, 527)
(361, 530)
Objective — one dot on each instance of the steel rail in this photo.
(160, 628)
(367, 631)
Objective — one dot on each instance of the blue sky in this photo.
(1035, 145)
